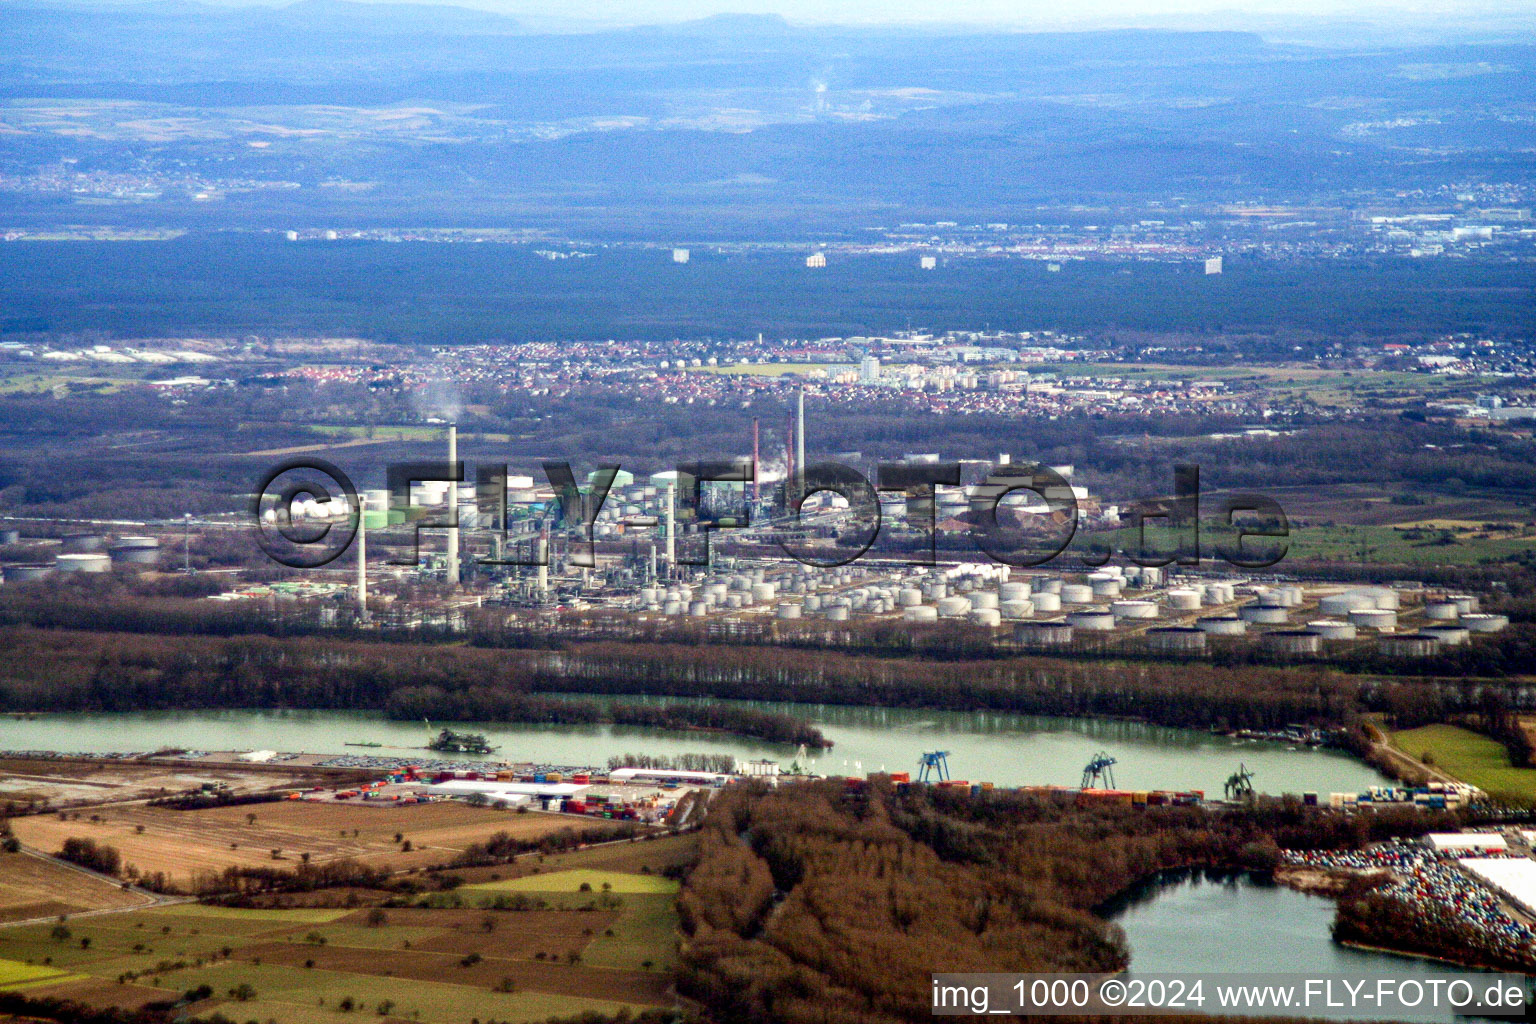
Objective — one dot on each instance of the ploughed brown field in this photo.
(33, 888)
(185, 844)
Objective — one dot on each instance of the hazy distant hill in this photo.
(441, 114)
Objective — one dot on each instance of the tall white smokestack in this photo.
(671, 526)
(453, 505)
(362, 556)
(543, 559)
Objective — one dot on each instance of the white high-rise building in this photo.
(869, 369)
(679, 255)
(816, 259)
(1213, 265)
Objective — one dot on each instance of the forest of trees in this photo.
(59, 670)
(820, 902)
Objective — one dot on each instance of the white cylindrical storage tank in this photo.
(837, 613)
(1343, 604)
(909, 598)
(984, 599)
(1046, 602)
(936, 591)
(1464, 602)
(1151, 575)
(733, 600)
(1184, 600)
(1076, 593)
(1016, 609)
(764, 591)
(1268, 615)
(1479, 622)
(1270, 599)
(920, 613)
(1218, 593)
(1442, 611)
(698, 609)
(1097, 621)
(985, 617)
(1290, 597)
(1384, 597)
(813, 603)
(954, 607)
(19, 572)
(1374, 618)
(136, 551)
(788, 611)
(650, 595)
(1043, 634)
(1133, 609)
(1110, 587)
(92, 561)
(715, 589)
(1048, 586)
(1407, 645)
(672, 608)
(81, 543)
(1013, 591)
(1448, 635)
(1292, 642)
(1176, 639)
(1332, 629)
(1222, 625)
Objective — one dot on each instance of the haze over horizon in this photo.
(1354, 21)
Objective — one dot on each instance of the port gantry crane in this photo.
(935, 762)
(1240, 784)
(1100, 769)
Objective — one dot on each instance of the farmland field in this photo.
(184, 844)
(1472, 758)
(434, 964)
(31, 887)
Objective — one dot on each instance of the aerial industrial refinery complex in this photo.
(530, 547)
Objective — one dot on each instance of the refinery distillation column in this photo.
(453, 506)
(362, 557)
(672, 526)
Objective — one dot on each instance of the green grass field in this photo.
(573, 880)
(1389, 545)
(15, 975)
(1472, 758)
(315, 966)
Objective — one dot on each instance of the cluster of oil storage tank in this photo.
(1453, 618)
(82, 553)
(1047, 610)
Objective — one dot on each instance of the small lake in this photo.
(1222, 923)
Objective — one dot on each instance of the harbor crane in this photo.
(934, 762)
(1099, 770)
(1240, 784)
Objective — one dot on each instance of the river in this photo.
(1008, 750)
(1209, 923)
